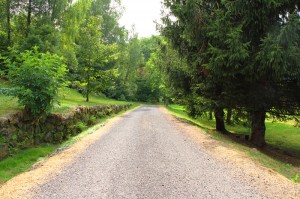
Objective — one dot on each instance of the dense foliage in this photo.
(242, 56)
(37, 77)
(102, 57)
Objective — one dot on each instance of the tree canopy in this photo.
(244, 56)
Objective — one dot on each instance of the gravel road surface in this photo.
(145, 156)
(147, 153)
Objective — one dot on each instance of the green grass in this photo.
(69, 98)
(8, 104)
(22, 161)
(283, 136)
(179, 111)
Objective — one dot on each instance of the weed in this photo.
(295, 178)
(80, 126)
(92, 120)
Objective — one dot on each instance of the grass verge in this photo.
(23, 160)
(279, 135)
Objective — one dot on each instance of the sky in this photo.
(141, 13)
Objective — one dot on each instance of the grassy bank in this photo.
(8, 104)
(281, 136)
(23, 160)
(67, 98)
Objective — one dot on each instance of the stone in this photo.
(4, 151)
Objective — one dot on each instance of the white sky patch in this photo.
(142, 14)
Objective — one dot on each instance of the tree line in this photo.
(46, 44)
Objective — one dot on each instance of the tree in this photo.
(259, 51)
(93, 55)
(188, 34)
(37, 77)
(5, 16)
(175, 79)
(110, 11)
(240, 55)
(128, 65)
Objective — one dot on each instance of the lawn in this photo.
(284, 136)
(67, 99)
(8, 104)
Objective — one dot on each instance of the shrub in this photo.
(37, 77)
(92, 120)
(100, 114)
(80, 126)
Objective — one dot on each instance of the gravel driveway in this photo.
(144, 155)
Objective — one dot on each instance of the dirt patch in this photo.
(266, 180)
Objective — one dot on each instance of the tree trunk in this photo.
(166, 100)
(210, 116)
(87, 93)
(88, 89)
(258, 128)
(88, 84)
(220, 125)
(8, 3)
(29, 12)
(228, 116)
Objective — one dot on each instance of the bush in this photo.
(80, 126)
(92, 120)
(100, 114)
(37, 77)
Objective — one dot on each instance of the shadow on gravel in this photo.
(125, 116)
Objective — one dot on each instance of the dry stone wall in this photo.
(19, 131)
